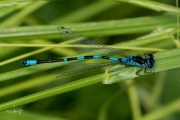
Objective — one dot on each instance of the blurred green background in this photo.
(147, 26)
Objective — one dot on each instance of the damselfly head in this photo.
(151, 60)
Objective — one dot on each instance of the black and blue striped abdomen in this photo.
(34, 62)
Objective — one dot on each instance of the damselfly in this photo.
(99, 50)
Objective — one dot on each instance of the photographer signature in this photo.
(16, 110)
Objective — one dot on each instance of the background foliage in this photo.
(28, 30)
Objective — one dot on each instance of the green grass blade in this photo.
(153, 5)
(163, 112)
(80, 14)
(51, 92)
(104, 28)
(17, 18)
